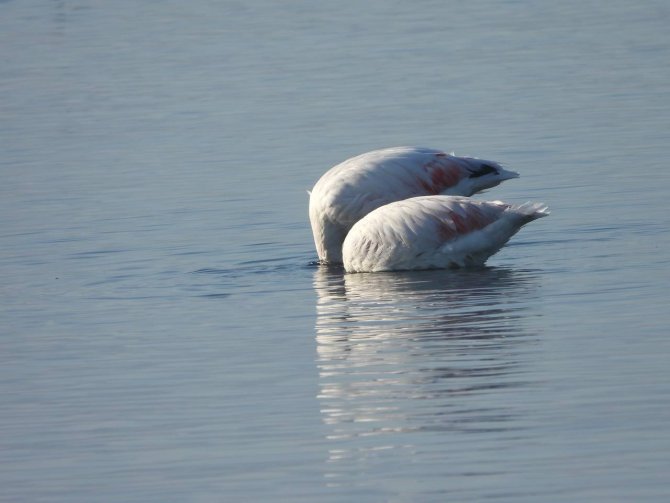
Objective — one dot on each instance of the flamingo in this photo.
(357, 186)
(434, 232)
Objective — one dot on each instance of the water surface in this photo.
(165, 335)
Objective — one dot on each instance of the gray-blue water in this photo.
(164, 337)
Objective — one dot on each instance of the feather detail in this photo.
(434, 232)
(357, 186)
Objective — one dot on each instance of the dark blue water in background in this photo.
(164, 337)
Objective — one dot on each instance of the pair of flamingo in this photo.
(406, 208)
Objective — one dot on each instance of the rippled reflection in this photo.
(432, 351)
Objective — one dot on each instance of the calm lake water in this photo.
(165, 336)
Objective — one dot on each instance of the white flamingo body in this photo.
(357, 186)
(434, 232)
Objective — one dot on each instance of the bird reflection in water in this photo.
(414, 358)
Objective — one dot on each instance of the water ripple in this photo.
(419, 352)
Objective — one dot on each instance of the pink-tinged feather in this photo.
(357, 186)
(431, 232)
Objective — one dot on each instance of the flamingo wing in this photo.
(357, 186)
(432, 232)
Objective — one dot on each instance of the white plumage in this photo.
(433, 232)
(357, 186)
